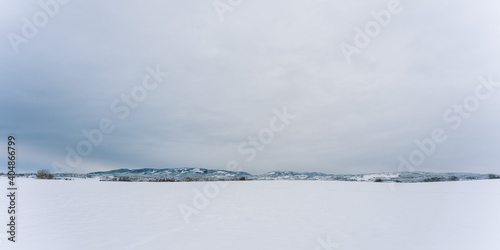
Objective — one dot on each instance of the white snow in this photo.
(90, 215)
(368, 177)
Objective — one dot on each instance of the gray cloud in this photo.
(227, 77)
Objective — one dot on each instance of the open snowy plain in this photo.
(88, 214)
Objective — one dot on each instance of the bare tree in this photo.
(44, 174)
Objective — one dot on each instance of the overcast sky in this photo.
(234, 65)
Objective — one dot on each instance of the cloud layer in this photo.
(226, 78)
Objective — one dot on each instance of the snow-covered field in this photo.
(90, 215)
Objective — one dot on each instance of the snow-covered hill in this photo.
(201, 174)
(172, 174)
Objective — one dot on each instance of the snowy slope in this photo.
(202, 174)
(88, 214)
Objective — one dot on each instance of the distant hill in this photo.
(201, 174)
